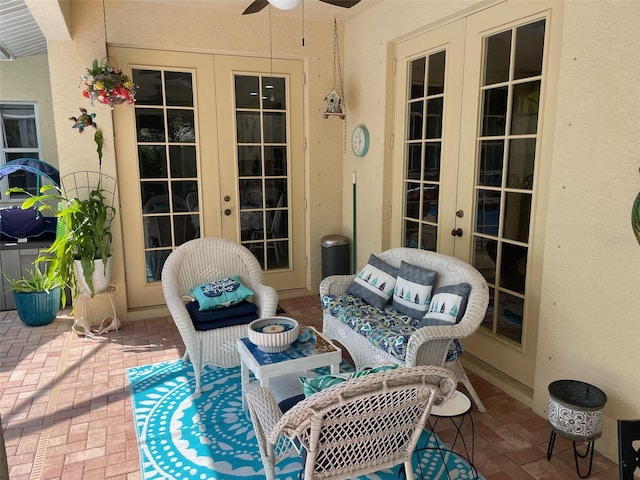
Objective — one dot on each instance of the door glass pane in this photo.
(274, 94)
(529, 50)
(504, 200)
(434, 118)
(179, 89)
(497, 53)
(416, 78)
(263, 184)
(432, 161)
(150, 124)
(181, 126)
(524, 111)
(522, 157)
(149, 91)
(422, 157)
(152, 161)
(436, 74)
(494, 111)
(414, 120)
(517, 216)
(275, 161)
(168, 182)
(491, 157)
(247, 88)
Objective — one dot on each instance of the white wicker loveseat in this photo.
(349, 321)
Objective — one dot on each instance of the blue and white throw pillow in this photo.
(412, 294)
(375, 282)
(311, 385)
(448, 305)
(221, 293)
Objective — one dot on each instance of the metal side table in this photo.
(458, 411)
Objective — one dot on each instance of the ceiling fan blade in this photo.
(255, 6)
(342, 3)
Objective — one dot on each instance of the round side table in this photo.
(458, 411)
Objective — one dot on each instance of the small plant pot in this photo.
(101, 278)
(38, 308)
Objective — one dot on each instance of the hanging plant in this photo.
(108, 85)
(635, 218)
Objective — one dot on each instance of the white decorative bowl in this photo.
(273, 334)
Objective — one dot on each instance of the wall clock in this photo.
(360, 141)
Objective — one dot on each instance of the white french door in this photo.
(469, 146)
(205, 153)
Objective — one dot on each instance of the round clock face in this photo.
(360, 141)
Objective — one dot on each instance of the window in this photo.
(20, 139)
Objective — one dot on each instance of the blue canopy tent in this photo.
(17, 223)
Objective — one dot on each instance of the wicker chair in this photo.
(427, 345)
(208, 259)
(357, 427)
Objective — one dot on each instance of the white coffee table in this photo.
(297, 359)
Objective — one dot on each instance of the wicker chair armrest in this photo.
(335, 284)
(265, 411)
(266, 298)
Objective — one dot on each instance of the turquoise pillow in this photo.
(221, 293)
(311, 385)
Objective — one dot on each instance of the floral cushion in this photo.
(387, 329)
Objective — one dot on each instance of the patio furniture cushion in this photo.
(387, 329)
(448, 305)
(221, 293)
(375, 282)
(311, 385)
(239, 314)
(412, 293)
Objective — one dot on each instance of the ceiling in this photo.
(20, 35)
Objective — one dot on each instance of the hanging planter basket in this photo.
(107, 84)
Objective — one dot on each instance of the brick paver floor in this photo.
(66, 411)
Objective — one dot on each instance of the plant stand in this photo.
(83, 322)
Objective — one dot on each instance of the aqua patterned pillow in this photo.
(221, 293)
(375, 282)
(412, 293)
(311, 385)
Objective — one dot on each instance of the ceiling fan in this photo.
(258, 5)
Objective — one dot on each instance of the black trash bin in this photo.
(335, 255)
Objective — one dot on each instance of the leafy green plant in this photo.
(34, 280)
(84, 228)
(84, 232)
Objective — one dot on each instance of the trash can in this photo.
(335, 255)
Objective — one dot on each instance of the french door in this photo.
(216, 152)
(469, 149)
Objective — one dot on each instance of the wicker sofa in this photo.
(373, 336)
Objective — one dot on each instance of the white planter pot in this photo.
(101, 278)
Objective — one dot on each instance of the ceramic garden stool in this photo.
(575, 412)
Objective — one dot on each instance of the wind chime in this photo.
(335, 103)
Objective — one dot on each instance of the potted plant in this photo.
(80, 255)
(37, 295)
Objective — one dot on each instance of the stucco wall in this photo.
(589, 327)
(589, 324)
(206, 30)
(33, 71)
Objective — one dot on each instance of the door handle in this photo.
(227, 212)
(456, 232)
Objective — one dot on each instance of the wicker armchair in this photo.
(427, 345)
(357, 427)
(208, 259)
